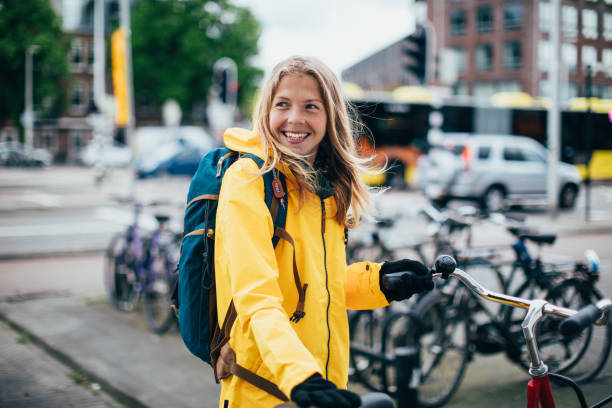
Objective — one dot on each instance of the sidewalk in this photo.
(130, 367)
(110, 348)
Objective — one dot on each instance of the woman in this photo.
(303, 130)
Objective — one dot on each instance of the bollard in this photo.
(407, 376)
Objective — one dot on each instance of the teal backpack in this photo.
(194, 297)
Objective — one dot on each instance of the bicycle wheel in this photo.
(119, 277)
(156, 302)
(366, 331)
(372, 252)
(442, 337)
(582, 356)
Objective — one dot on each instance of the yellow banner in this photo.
(119, 80)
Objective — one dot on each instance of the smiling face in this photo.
(298, 118)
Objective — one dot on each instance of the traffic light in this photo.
(225, 80)
(222, 84)
(415, 48)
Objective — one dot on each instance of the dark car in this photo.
(18, 154)
(177, 157)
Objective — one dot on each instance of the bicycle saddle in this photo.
(385, 222)
(520, 231)
(540, 238)
(162, 218)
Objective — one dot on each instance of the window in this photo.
(607, 26)
(76, 54)
(589, 56)
(589, 23)
(460, 88)
(544, 13)
(76, 98)
(460, 59)
(544, 55)
(512, 54)
(569, 21)
(484, 152)
(513, 154)
(90, 54)
(533, 156)
(606, 60)
(569, 56)
(544, 87)
(513, 16)
(572, 90)
(484, 19)
(484, 57)
(458, 22)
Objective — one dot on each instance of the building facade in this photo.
(504, 46)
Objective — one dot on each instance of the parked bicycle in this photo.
(450, 325)
(539, 393)
(141, 265)
(370, 328)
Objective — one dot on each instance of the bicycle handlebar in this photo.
(445, 266)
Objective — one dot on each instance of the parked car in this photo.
(105, 155)
(175, 151)
(495, 170)
(18, 154)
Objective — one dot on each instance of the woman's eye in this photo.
(311, 106)
(281, 104)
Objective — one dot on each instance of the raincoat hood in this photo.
(244, 141)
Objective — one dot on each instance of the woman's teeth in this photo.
(295, 136)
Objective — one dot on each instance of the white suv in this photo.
(496, 170)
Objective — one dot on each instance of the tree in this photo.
(24, 23)
(176, 43)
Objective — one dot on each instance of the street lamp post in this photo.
(28, 117)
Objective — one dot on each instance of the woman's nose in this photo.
(295, 116)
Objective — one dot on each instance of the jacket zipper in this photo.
(326, 286)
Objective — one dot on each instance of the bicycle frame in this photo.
(539, 393)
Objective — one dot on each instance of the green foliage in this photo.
(24, 23)
(176, 42)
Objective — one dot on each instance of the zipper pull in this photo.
(322, 216)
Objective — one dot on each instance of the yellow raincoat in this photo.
(259, 278)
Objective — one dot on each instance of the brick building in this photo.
(502, 46)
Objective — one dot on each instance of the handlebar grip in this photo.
(391, 280)
(444, 264)
(580, 321)
(370, 400)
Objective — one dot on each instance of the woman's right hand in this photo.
(401, 279)
(315, 391)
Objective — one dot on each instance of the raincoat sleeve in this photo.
(363, 288)
(245, 225)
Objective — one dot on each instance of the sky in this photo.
(338, 32)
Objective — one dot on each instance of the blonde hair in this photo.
(339, 144)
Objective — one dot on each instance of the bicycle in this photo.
(369, 329)
(142, 266)
(539, 392)
(449, 336)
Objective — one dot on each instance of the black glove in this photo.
(409, 277)
(318, 392)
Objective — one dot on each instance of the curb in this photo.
(114, 392)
